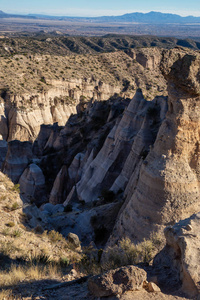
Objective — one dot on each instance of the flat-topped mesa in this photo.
(168, 187)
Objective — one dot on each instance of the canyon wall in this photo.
(143, 154)
(22, 115)
(168, 187)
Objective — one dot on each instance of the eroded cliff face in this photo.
(168, 187)
(22, 115)
(131, 138)
(142, 154)
(179, 258)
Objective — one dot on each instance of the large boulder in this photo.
(178, 262)
(74, 240)
(32, 184)
(116, 282)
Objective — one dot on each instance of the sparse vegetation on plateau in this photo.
(34, 74)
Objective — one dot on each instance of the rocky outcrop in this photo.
(148, 58)
(135, 132)
(168, 185)
(26, 113)
(18, 156)
(181, 256)
(149, 153)
(73, 239)
(32, 184)
(89, 223)
(3, 121)
(56, 195)
(3, 151)
(117, 282)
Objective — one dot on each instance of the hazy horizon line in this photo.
(117, 13)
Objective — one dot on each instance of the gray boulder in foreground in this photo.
(117, 282)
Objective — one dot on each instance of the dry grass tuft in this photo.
(18, 274)
(126, 252)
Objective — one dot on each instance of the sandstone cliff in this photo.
(135, 130)
(149, 153)
(168, 185)
(44, 89)
(180, 257)
(26, 113)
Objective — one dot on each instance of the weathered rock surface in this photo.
(23, 119)
(167, 187)
(3, 121)
(3, 151)
(105, 171)
(90, 224)
(18, 157)
(181, 256)
(152, 287)
(144, 153)
(32, 184)
(74, 240)
(147, 58)
(116, 282)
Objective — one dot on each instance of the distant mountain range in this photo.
(148, 18)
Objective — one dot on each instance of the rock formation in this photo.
(149, 153)
(32, 184)
(116, 282)
(168, 185)
(26, 113)
(135, 130)
(181, 256)
(3, 151)
(18, 157)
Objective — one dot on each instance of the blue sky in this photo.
(99, 8)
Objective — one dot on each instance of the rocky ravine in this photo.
(149, 154)
(44, 89)
(122, 167)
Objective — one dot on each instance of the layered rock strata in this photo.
(135, 133)
(22, 115)
(168, 187)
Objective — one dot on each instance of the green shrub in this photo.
(15, 206)
(64, 261)
(16, 233)
(16, 188)
(126, 252)
(55, 236)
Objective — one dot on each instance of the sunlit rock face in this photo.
(168, 185)
(180, 256)
(22, 115)
(131, 137)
